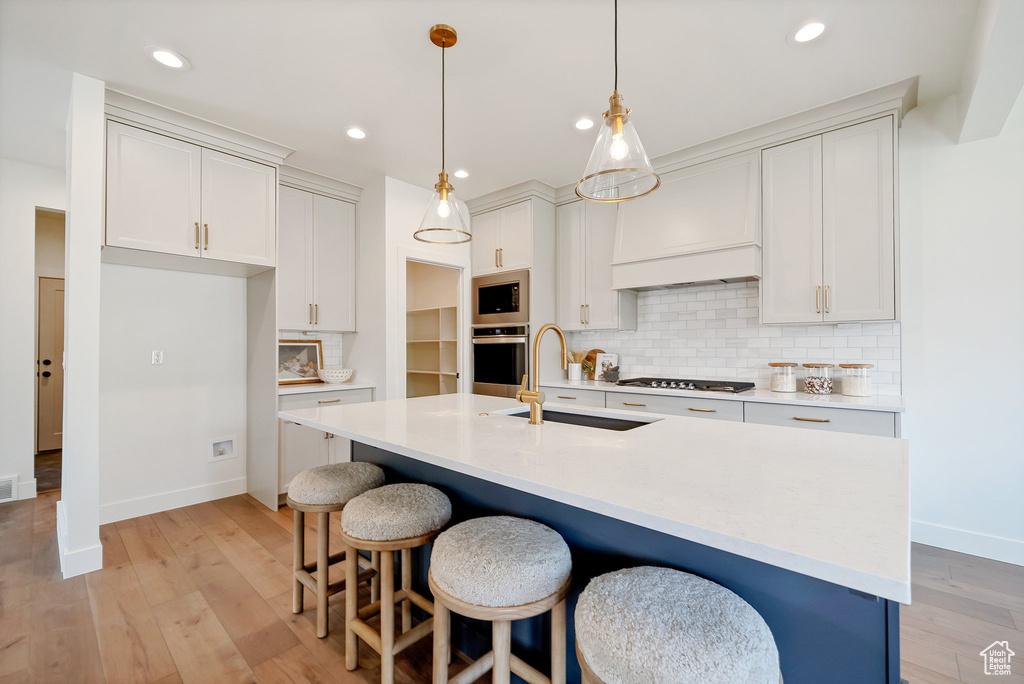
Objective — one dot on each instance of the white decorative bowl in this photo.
(335, 376)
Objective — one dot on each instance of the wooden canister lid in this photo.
(819, 365)
(856, 365)
(782, 365)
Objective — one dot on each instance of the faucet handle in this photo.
(526, 378)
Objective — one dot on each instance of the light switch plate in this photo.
(158, 358)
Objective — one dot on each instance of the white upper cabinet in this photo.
(239, 207)
(169, 196)
(859, 269)
(829, 211)
(585, 300)
(503, 239)
(153, 191)
(316, 268)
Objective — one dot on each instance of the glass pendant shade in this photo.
(443, 223)
(618, 169)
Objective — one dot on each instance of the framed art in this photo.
(604, 363)
(298, 361)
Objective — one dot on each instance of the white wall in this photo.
(962, 261)
(158, 422)
(23, 187)
(364, 349)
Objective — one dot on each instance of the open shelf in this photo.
(432, 351)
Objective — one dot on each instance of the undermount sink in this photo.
(593, 420)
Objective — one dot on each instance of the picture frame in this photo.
(604, 362)
(298, 362)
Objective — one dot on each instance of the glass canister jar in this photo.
(819, 378)
(783, 377)
(856, 381)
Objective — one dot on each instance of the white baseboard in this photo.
(965, 541)
(165, 501)
(79, 561)
(27, 489)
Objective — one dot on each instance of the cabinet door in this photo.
(570, 270)
(153, 191)
(516, 242)
(859, 265)
(295, 261)
(486, 231)
(301, 448)
(791, 288)
(239, 209)
(334, 264)
(602, 312)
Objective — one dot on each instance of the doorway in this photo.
(49, 349)
(431, 329)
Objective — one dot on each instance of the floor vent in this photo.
(8, 489)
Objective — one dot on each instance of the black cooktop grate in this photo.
(676, 383)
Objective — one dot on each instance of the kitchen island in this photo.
(811, 529)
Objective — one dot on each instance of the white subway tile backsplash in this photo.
(712, 331)
(330, 343)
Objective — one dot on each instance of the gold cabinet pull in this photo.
(197, 234)
(826, 299)
(813, 420)
(501, 260)
(817, 298)
(629, 403)
(206, 240)
(328, 401)
(316, 314)
(581, 314)
(562, 396)
(311, 314)
(702, 410)
(495, 257)
(587, 307)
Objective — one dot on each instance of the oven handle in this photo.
(502, 339)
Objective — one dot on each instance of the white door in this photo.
(295, 261)
(486, 232)
(239, 209)
(153, 191)
(516, 237)
(50, 394)
(602, 311)
(791, 287)
(570, 272)
(300, 448)
(334, 264)
(859, 265)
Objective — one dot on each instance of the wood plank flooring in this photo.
(202, 594)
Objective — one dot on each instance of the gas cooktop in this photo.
(702, 385)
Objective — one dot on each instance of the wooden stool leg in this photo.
(387, 617)
(351, 607)
(323, 539)
(558, 643)
(406, 585)
(502, 673)
(375, 580)
(442, 627)
(298, 558)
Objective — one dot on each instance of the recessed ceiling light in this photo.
(462, 173)
(357, 133)
(809, 32)
(584, 124)
(168, 58)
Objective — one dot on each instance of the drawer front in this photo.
(692, 407)
(563, 395)
(879, 423)
(318, 399)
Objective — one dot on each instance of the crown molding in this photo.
(160, 119)
(301, 179)
(511, 195)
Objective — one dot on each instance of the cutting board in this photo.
(591, 358)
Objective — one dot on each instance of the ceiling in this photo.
(300, 72)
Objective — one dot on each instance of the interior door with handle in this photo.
(50, 350)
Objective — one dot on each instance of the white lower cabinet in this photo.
(691, 407)
(561, 395)
(301, 447)
(878, 423)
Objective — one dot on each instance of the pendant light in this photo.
(618, 169)
(443, 223)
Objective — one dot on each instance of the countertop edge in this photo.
(312, 388)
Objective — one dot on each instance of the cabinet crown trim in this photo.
(511, 195)
(310, 181)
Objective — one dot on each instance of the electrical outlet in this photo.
(158, 358)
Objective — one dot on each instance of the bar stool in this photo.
(323, 490)
(398, 517)
(651, 624)
(499, 569)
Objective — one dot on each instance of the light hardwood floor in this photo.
(203, 594)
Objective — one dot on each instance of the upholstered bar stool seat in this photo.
(398, 517)
(499, 569)
(324, 490)
(646, 624)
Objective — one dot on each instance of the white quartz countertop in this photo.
(834, 506)
(873, 403)
(321, 387)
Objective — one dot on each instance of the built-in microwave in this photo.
(502, 299)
